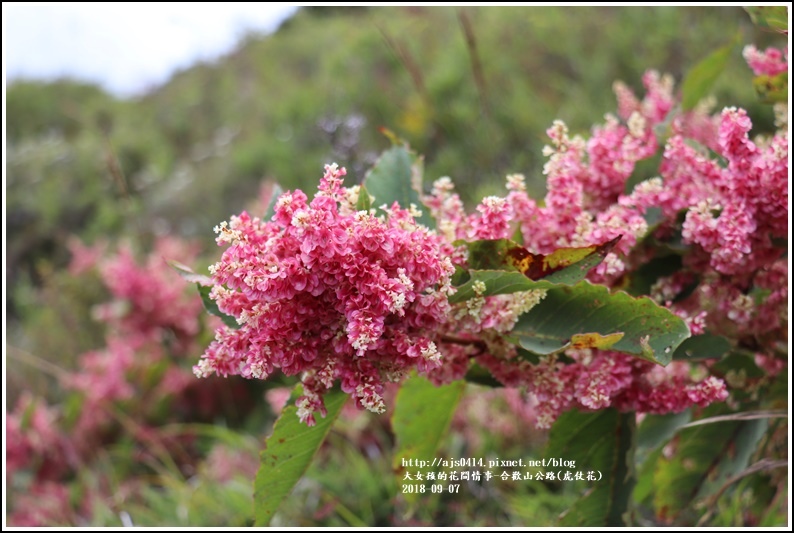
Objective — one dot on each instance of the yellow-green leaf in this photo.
(771, 89)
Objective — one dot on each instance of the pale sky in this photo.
(126, 48)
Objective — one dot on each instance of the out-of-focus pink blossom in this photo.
(770, 62)
(84, 258)
(44, 504)
(34, 440)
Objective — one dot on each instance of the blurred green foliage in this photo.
(473, 89)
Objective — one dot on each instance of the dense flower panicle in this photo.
(585, 204)
(732, 212)
(613, 149)
(447, 208)
(335, 296)
(494, 220)
(658, 106)
(360, 298)
(597, 380)
(659, 99)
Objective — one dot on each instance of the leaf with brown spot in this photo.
(589, 313)
(505, 267)
(771, 89)
(504, 254)
(538, 266)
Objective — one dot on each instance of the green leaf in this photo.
(700, 79)
(288, 453)
(72, 408)
(664, 129)
(421, 418)
(771, 17)
(741, 415)
(643, 278)
(212, 307)
(705, 457)
(363, 203)
(497, 282)
(653, 217)
(657, 429)
(397, 177)
(275, 192)
(601, 442)
(644, 489)
(649, 331)
(526, 355)
(648, 168)
(460, 276)
(738, 363)
(480, 376)
(771, 89)
(706, 346)
(204, 285)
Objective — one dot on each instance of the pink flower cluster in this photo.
(334, 293)
(329, 292)
(601, 379)
(733, 214)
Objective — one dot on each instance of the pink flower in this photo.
(330, 294)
